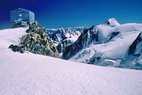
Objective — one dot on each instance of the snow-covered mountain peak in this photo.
(101, 45)
(112, 22)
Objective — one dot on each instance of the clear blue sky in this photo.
(72, 13)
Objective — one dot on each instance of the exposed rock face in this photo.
(16, 48)
(37, 42)
(136, 45)
(133, 57)
(62, 45)
(87, 37)
(92, 35)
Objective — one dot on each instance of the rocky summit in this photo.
(36, 41)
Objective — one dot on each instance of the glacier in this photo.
(105, 44)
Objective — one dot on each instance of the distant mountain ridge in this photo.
(63, 37)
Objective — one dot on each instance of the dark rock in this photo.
(37, 42)
(133, 58)
(16, 48)
(132, 48)
(61, 46)
(87, 37)
(113, 34)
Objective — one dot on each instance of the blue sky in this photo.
(72, 13)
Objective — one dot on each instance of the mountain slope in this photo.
(108, 47)
(133, 57)
(86, 38)
(31, 74)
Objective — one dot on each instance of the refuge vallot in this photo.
(21, 17)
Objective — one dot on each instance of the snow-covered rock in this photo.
(63, 37)
(133, 57)
(108, 47)
(112, 22)
(87, 37)
(36, 41)
(32, 74)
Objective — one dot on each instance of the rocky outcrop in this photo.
(136, 45)
(133, 58)
(87, 37)
(36, 41)
(62, 45)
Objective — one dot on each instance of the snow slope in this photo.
(133, 57)
(112, 22)
(11, 36)
(111, 49)
(30, 74)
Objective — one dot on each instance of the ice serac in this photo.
(133, 57)
(63, 37)
(112, 22)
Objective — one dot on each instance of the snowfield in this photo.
(31, 74)
(110, 51)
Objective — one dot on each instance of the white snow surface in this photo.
(11, 36)
(114, 49)
(31, 74)
(104, 30)
(112, 22)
